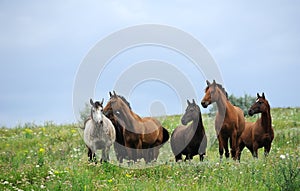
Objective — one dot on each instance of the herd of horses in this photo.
(137, 138)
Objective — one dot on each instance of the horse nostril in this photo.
(250, 112)
(204, 104)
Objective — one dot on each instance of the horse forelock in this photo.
(97, 104)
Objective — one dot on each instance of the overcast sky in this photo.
(42, 44)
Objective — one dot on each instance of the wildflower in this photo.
(28, 131)
(128, 175)
(110, 180)
(282, 156)
(73, 131)
(43, 186)
(42, 150)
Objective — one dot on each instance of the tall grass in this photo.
(54, 157)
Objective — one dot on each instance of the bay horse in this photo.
(99, 132)
(142, 136)
(229, 122)
(189, 140)
(119, 145)
(260, 133)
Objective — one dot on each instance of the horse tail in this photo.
(166, 135)
(83, 127)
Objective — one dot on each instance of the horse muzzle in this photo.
(205, 104)
(251, 112)
(183, 122)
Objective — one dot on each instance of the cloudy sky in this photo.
(43, 43)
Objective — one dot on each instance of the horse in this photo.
(99, 132)
(142, 136)
(229, 122)
(260, 133)
(119, 145)
(189, 140)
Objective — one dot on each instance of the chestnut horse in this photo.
(229, 122)
(142, 136)
(189, 140)
(260, 133)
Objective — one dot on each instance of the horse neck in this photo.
(197, 124)
(266, 120)
(130, 120)
(222, 103)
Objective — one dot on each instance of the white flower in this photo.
(282, 156)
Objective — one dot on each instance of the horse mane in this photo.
(125, 101)
(220, 87)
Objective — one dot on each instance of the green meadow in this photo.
(54, 157)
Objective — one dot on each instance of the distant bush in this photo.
(85, 113)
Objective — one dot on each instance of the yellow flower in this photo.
(110, 180)
(73, 131)
(128, 175)
(28, 131)
(42, 150)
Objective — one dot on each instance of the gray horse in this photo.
(99, 132)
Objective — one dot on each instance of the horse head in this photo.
(213, 91)
(261, 105)
(116, 107)
(191, 113)
(96, 111)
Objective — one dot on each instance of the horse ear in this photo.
(194, 101)
(263, 95)
(101, 103)
(258, 96)
(214, 82)
(110, 94)
(91, 102)
(188, 102)
(208, 83)
(115, 93)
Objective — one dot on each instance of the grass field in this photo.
(54, 157)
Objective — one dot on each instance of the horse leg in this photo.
(221, 149)
(241, 145)
(233, 143)
(90, 154)
(255, 149)
(267, 149)
(225, 145)
(178, 157)
(105, 155)
(202, 148)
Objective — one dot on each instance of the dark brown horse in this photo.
(260, 133)
(119, 145)
(142, 136)
(230, 121)
(189, 140)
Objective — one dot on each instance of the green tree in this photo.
(244, 102)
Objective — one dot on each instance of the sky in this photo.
(255, 45)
